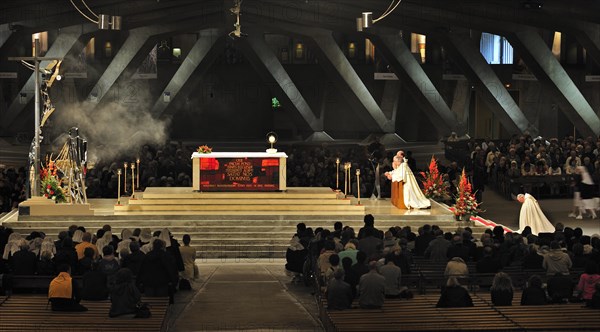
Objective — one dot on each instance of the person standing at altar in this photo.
(408, 193)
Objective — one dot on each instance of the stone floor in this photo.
(254, 295)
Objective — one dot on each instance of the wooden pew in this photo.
(33, 313)
(418, 314)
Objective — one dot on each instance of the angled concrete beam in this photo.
(196, 58)
(467, 55)
(65, 41)
(417, 82)
(5, 33)
(545, 67)
(136, 46)
(346, 78)
(590, 40)
(267, 61)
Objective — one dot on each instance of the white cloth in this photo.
(531, 215)
(413, 196)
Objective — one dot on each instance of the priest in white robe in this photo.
(413, 197)
(531, 215)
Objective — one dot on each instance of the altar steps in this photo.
(294, 201)
(232, 237)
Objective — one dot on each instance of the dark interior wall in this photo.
(232, 101)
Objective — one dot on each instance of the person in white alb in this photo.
(531, 215)
(413, 197)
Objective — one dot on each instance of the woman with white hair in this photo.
(12, 245)
(48, 246)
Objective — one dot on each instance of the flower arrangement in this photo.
(51, 184)
(204, 149)
(434, 186)
(466, 204)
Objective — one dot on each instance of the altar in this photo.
(239, 171)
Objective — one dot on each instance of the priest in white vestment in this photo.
(413, 196)
(531, 215)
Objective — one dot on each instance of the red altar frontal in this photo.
(239, 171)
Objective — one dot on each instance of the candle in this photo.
(125, 164)
(119, 187)
(132, 181)
(138, 173)
(358, 184)
(337, 174)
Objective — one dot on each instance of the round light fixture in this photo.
(271, 138)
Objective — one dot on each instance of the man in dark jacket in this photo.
(489, 263)
(157, 271)
(134, 260)
(23, 261)
(458, 249)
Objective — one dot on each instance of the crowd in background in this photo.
(498, 162)
(369, 265)
(12, 188)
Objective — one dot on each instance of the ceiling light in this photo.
(367, 20)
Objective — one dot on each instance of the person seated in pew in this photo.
(588, 282)
(393, 276)
(454, 295)
(534, 294)
(371, 289)
(63, 292)
(23, 262)
(124, 295)
(489, 263)
(94, 284)
(339, 293)
(502, 290)
(595, 301)
(45, 267)
(456, 267)
(560, 288)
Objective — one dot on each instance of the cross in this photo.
(36, 146)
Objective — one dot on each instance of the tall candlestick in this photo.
(345, 180)
(358, 184)
(119, 187)
(125, 164)
(337, 174)
(132, 181)
(138, 173)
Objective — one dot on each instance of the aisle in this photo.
(503, 211)
(248, 295)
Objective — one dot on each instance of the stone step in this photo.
(239, 208)
(229, 202)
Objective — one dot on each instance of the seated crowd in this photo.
(369, 266)
(106, 266)
(496, 162)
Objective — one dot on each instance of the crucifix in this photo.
(38, 126)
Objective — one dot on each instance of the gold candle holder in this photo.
(348, 167)
(358, 185)
(132, 181)
(119, 187)
(137, 185)
(125, 166)
(337, 174)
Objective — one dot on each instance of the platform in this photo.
(237, 225)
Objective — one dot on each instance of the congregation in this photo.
(372, 266)
(106, 266)
(514, 166)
